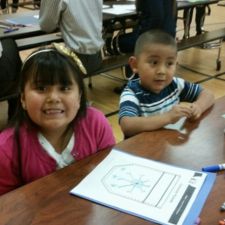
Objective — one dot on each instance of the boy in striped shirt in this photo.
(154, 99)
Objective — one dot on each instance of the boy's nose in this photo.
(161, 69)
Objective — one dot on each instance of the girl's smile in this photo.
(51, 107)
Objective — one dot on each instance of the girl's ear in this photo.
(133, 64)
(22, 100)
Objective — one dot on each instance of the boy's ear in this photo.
(133, 64)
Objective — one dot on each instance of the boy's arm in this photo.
(205, 100)
(134, 125)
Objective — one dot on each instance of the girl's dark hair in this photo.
(45, 66)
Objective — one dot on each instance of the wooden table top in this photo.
(47, 200)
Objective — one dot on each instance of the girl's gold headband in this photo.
(67, 51)
(63, 50)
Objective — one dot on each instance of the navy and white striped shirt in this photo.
(136, 101)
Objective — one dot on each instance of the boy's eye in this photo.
(153, 62)
(170, 63)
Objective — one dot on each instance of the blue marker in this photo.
(11, 30)
(214, 168)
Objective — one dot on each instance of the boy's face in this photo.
(156, 66)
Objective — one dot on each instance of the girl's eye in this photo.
(65, 88)
(41, 88)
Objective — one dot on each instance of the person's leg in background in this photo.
(15, 6)
(3, 6)
(187, 18)
(199, 19)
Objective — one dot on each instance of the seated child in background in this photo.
(53, 126)
(153, 100)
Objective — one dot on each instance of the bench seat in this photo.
(201, 39)
(114, 62)
(37, 41)
(121, 60)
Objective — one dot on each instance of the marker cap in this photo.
(213, 168)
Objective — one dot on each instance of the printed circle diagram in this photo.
(140, 183)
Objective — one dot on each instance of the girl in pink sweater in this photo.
(53, 126)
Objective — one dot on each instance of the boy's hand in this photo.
(179, 111)
(196, 111)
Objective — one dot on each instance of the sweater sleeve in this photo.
(104, 133)
(8, 178)
(93, 133)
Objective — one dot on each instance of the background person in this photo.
(80, 23)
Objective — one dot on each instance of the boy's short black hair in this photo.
(155, 36)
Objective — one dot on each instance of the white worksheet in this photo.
(149, 189)
(179, 125)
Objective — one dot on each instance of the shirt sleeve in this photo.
(49, 15)
(129, 104)
(190, 92)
